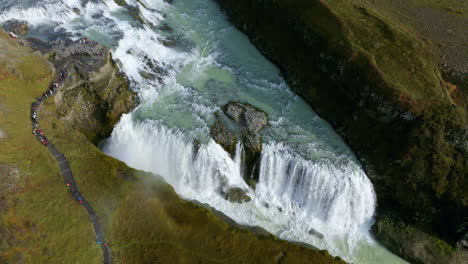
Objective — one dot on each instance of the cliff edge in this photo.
(382, 89)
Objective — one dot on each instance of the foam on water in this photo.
(311, 187)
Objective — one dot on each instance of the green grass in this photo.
(144, 220)
(400, 56)
(41, 213)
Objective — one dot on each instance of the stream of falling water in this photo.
(186, 61)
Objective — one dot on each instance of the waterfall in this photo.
(338, 199)
(311, 189)
(239, 158)
(152, 147)
(319, 201)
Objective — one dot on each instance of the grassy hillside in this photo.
(145, 221)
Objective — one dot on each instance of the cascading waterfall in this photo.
(311, 188)
(172, 154)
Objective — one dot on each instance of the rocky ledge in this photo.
(95, 94)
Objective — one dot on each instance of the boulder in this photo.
(236, 195)
(315, 233)
(246, 116)
(249, 121)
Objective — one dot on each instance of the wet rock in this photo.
(165, 27)
(249, 121)
(20, 28)
(169, 42)
(246, 116)
(120, 2)
(147, 75)
(316, 233)
(77, 11)
(196, 147)
(237, 195)
(224, 137)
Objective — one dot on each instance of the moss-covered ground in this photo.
(144, 220)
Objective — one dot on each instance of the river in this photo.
(186, 61)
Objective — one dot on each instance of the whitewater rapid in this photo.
(186, 61)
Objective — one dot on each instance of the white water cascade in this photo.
(311, 187)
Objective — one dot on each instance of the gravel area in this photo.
(442, 22)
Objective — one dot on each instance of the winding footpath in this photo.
(66, 172)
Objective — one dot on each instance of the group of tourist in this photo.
(35, 107)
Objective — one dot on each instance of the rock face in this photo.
(410, 136)
(223, 136)
(248, 121)
(95, 94)
(417, 246)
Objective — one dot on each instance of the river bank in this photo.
(381, 88)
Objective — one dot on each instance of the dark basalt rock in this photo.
(246, 116)
(223, 136)
(316, 233)
(236, 195)
(249, 121)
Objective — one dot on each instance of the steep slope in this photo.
(380, 87)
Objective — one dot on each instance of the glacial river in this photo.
(186, 61)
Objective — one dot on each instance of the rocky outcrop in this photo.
(247, 121)
(250, 119)
(95, 94)
(378, 86)
(20, 28)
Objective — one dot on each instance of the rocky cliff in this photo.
(380, 87)
(96, 94)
